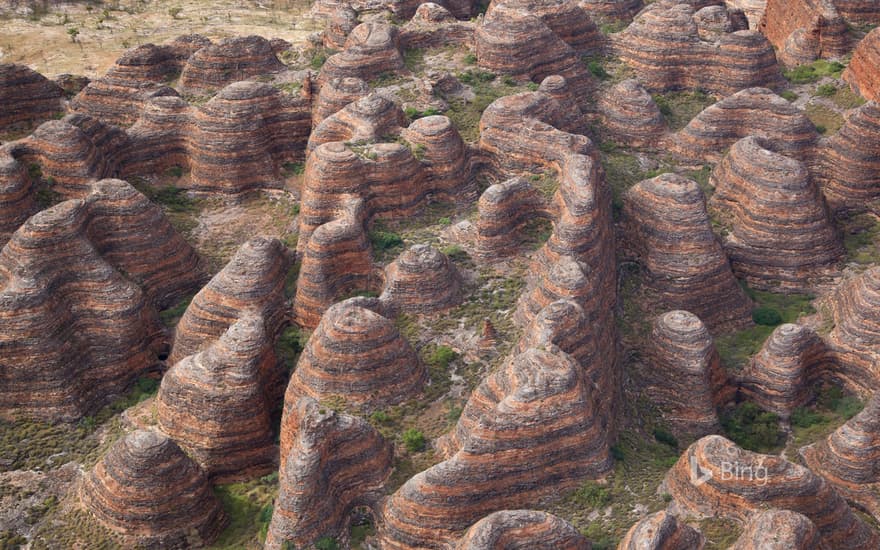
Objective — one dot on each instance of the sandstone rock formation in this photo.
(850, 160)
(753, 112)
(142, 72)
(849, 458)
(522, 529)
(781, 236)
(359, 355)
(612, 9)
(372, 48)
(229, 60)
(80, 284)
(146, 488)
(661, 531)
(630, 116)
(537, 39)
(669, 231)
(340, 22)
(335, 94)
(665, 47)
(252, 282)
(433, 26)
(543, 438)
(855, 338)
(331, 463)
(861, 73)
(703, 481)
(685, 377)
(367, 119)
(780, 377)
(26, 96)
(776, 529)
(421, 280)
(215, 405)
(816, 21)
(504, 210)
(858, 11)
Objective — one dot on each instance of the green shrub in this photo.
(326, 543)
(454, 252)
(592, 494)
(752, 428)
(822, 129)
(441, 356)
(805, 74)
(470, 59)
(380, 416)
(383, 240)
(766, 316)
(617, 453)
(803, 417)
(789, 95)
(174, 171)
(664, 436)
(414, 440)
(826, 90)
(476, 76)
(293, 169)
(444, 221)
(597, 70)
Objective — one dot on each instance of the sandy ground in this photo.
(42, 42)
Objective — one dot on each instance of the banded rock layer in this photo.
(662, 531)
(251, 282)
(781, 376)
(529, 428)
(703, 481)
(80, 284)
(780, 529)
(230, 60)
(861, 73)
(817, 22)
(855, 339)
(849, 458)
(331, 463)
(504, 210)
(669, 50)
(421, 280)
(630, 115)
(371, 49)
(26, 96)
(666, 220)
(752, 112)
(214, 403)
(522, 530)
(359, 355)
(849, 160)
(146, 488)
(686, 380)
(781, 235)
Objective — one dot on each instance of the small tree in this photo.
(174, 12)
(414, 440)
(73, 32)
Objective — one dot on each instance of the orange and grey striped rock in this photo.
(685, 377)
(861, 73)
(780, 377)
(668, 229)
(17, 195)
(714, 477)
(859, 11)
(752, 9)
(433, 26)
(612, 9)
(340, 23)
(421, 280)
(229, 60)
(817, 20)
(252, 281)
(242, 137)
(359, 355)
(369, 118)
(81, 282)
(336, 260)
(443, 155)
(528, 430)
(665, 47)
(630, 116)
(160, 139)
(119, 96)
(371, 49)
(503, 211)
(26, 97)
(855, 338)
(522, 530)
(335, 94)
(778, 530)
(849, 458)
(753, 112)
(849, 161)
(781, 235)
(214, 403)
(146, 488)
(331, 463)
(662, 531)
(536, 39)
